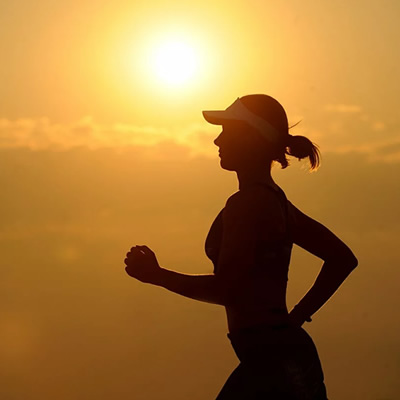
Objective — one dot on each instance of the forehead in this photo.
(240, 129)
(235, 125)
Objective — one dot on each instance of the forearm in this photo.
(204, 288)
(331, 276)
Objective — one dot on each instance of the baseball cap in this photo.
(238, 111)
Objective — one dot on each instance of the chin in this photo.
(226, 165)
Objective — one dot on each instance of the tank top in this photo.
(274, 254)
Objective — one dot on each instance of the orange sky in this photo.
(97, 155)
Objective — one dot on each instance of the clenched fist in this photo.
(141, 263)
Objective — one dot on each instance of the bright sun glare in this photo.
(175, 62)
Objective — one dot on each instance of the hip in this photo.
(280, 341)
(283, 357)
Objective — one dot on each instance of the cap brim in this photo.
(237, 111)
(216, 117)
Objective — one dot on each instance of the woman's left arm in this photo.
(197, 287)
(141, 263)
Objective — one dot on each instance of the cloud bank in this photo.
(43, 134)
(360, 134)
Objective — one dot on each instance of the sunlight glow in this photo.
(175, 62)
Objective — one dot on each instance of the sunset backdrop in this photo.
(103, 146)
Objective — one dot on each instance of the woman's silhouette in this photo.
(250, 244)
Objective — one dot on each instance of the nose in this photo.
(217, 140)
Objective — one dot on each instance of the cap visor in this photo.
(215, 117)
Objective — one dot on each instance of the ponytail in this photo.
(301, 147)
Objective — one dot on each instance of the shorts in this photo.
(276, 363)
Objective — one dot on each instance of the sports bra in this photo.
(272, 254)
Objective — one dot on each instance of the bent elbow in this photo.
(350, 261)
(353, 262)
(346, 259)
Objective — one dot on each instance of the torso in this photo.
(267, 289)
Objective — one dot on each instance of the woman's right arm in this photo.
(338, 259)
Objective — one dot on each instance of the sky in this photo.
(100, 150)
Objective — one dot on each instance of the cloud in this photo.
(385, 150)
(42, 134)
(193, 139)
(343, 108)
(343, 128)
(378, 126)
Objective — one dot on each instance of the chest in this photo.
(267, 250)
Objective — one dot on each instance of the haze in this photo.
(97, 156)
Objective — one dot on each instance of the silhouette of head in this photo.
(256, 132)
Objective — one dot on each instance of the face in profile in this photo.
(240, 146)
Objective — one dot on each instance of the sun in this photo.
(175, 62)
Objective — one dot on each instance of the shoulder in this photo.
(254, 195)
(299, 218)
(305, 227)
(255, 202)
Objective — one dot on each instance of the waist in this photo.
(249, 319)
(273, 343)
(257, 329)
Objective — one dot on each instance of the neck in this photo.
(250, 177)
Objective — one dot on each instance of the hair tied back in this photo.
(302, 147)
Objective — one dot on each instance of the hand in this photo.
(296, 319)
(141, 263)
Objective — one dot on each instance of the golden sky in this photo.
(98, 153)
